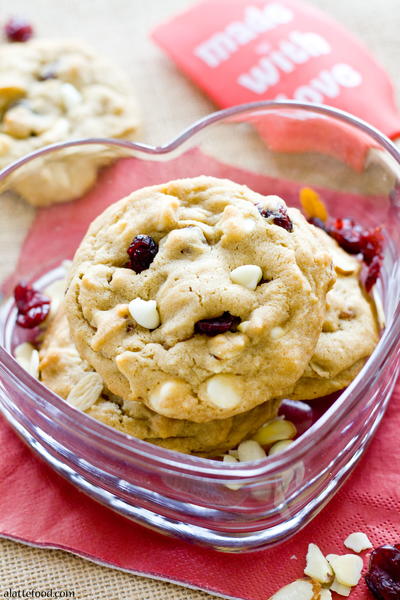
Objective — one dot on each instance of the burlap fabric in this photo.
(119, 28)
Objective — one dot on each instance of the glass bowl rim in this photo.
(189, 464)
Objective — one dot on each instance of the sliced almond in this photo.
(317, 566)
(86, 392)
(28, 357)
(380, 311)
(274, 431)
(230, 460)
(250, 450)
(279, 447)
(34, 364)
(55, 291)
(319, 370)
(301, 589)
(357, 541)
(342, 590)
(347, 568)
(344, 264)
(22, 353)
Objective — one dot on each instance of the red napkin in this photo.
(66, 518)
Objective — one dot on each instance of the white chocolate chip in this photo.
(28, 357)
(227, 345)
(222, 391)
(247, 275)
(86, 392)
(250, 450)
(145, 312)
(166, 394)
(234, 225)
(357, 542)
(247, 225)
(70, 96)
(276, 332)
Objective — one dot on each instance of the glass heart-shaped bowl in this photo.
(275, 148)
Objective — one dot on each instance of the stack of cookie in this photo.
(194, 307)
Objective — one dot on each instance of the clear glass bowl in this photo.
(245, 506)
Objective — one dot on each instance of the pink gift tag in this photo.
(241, 51)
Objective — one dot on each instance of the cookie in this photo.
(349, 332)
(61, 369)
(55, 90)
(216, 309)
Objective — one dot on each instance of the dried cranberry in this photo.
(279, 217)
(372, 245)
(383, 577)
(373, 273)
(354, 239)
(299, 413)
(347, 233)
(33, 306)
(318, 223)
(216, 325)
(142, 252)
(18, 30)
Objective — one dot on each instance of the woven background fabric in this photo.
(24, 567)
(160, 90)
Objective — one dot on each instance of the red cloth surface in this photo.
(66, 518)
